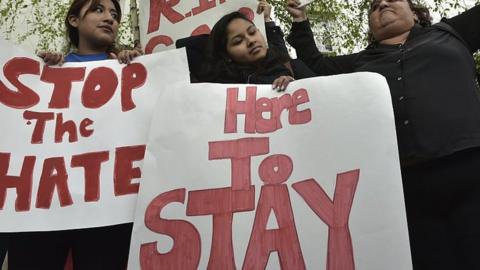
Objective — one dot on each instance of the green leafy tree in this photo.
(331, 20)
(342, 25)
(339, 24)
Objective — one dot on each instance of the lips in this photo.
(107, 28)
(387, 10)
(255, 49)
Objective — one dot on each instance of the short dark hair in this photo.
(74, 10)
(423, 14)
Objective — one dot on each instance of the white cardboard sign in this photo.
(242, 177)
(73, 137)
(162, 22)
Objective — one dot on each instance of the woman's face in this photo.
(245, 44)
(390, 18)
(97, 28)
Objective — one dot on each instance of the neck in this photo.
(86, 49)
(399, 39)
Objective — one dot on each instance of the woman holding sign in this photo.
(92, 27)
(434, 89)
(237, 52)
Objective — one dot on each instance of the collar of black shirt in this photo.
(416, 30)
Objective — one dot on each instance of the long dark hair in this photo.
(219, 67)
(74, 10)
(423, 14)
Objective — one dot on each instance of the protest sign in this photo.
(73, 137)
(163, 22)
(243, 177)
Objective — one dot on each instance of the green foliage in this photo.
(331, 20)
(125, 33)
(343, 24)
(9, 10)
(452, 7)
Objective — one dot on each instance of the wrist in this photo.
(300, 18)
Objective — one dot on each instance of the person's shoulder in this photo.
(70, 58)
(75, 57)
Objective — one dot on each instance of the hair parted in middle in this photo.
(219, 66)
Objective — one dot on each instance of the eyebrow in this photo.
(234, 37)
(102, 6)
(239, 35)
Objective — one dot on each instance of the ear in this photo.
(73, 20)
(415, 15)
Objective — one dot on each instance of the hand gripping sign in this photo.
(73, 137)
(242, 177)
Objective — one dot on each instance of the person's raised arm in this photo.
(301, 38)
(298, 13)
(265, 8)
(467, 24)
(275, 37)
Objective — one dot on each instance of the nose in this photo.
(383, 4)
(250, 40)
(108, 18)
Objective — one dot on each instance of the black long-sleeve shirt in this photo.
(432, 81)
(273, 69)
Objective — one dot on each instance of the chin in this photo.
(106, 42)
(262, 55)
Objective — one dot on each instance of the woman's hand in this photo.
(298, 13)
(266, 8)
(126, 56)
(51, 58)
(281, 83)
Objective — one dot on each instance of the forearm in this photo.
(467, 24)
(301, 38)
(275, 37)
